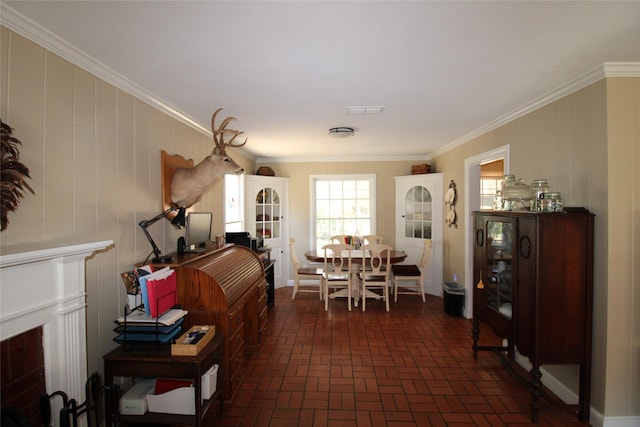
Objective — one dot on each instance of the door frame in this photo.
(472, 203)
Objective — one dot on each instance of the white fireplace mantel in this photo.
(43, 284)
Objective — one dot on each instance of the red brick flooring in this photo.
(412, 366)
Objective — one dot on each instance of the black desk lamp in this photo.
(178, 221)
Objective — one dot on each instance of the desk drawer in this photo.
(236, 320)
(236, 342)
(263, 316)
(236, 362)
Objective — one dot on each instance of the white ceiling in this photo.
(288, 70)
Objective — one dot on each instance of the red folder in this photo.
(163, 386)
(162, 294)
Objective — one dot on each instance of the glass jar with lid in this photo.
(538, 188)
(508, 180)
(517, 196)
(552, 202)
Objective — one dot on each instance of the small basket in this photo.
(265, 171)
(419, 169)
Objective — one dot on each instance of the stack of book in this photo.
(137, 326)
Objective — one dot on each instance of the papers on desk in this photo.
(139, 318)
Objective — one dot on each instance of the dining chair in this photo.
(343, 238)
(312, 276)
(372, 238)
(377, 259)
(409, 278)
(337, 272)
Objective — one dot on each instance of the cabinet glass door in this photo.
(417, 213)
(499, 266)
(268, 213)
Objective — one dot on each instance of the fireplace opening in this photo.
(23, 375)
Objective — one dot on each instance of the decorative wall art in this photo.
(14, 174)
(450, 199)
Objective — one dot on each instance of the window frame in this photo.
(340, 177)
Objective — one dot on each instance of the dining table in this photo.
(356, 258)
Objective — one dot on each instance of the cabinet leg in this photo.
(475, 333)
(535, 392)
(585, 393)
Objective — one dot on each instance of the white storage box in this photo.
(178, 401)
(209, 382)
(134, 401)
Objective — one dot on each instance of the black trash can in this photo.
(453, 298)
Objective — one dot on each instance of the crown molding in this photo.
(309, 159)
(606, 70)
(29, 29)
(621, 69)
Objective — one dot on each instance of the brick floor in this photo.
(412, 366)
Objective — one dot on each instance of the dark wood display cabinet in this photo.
(533, 285)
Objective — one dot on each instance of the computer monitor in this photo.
(198, 226)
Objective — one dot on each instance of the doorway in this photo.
(473, 202)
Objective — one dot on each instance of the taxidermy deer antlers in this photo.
(189, 184)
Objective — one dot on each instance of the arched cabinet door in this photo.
(266, 216)
(268, 209)
(417, 216)
(419, 210)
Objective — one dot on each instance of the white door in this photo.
(419, 216)
(267, 210)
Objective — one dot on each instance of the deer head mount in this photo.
(188, 185)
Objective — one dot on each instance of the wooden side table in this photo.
(142, 361)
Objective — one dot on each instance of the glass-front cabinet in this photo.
(266, 216)
(533, 285)
(417, 213)
(419, 206)
(493, 273)
(499, 265)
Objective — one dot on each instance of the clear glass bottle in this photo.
(538, 188)
(498, 201)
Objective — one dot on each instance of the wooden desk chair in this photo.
(337, 272)
(377, 259)
(409, 279)
(306, 274)
(372, 238)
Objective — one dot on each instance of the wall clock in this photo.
(450, 200)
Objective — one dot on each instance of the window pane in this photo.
(488, 189)
(233, 212)
(343, 205)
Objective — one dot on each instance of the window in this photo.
(343, 204)
(491, 175)
(233, 203)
